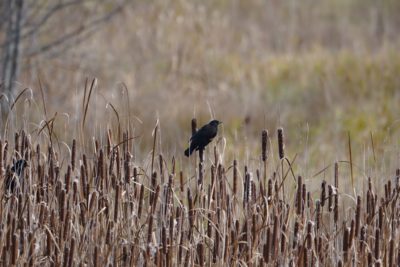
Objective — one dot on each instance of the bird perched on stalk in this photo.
(14, 178)
(203, 137)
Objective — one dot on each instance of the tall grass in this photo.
(94, 205)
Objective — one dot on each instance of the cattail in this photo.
(85, 165)
(31, 240)
(73, 154)
(269, 191)
(318, 244)
(118, 161)
(127, 170)
(253, 229)
(71, 252)
(66, 223)
(351, 235)
(283, 239)
(100, 169)
(161, 163)
(362, 238)
(336, 175)
(23, 142)
(141, 195)
(155, 198)
(14, 249)
(1, 159)
(226, 250)
(65, 258)
(75, 192)
(318, 214)
(16, 143)
(336, 209)
(247, 189)
(253, 191)
(397, 180)
(200, 249)
(111, 162)
(309, 235)
(108, 234)
(323, 193)
(281, 144)
(150, 229)
(380, 218)
(346, 243)
(124, 143)
(182, 188)
(61, 205)
(48, 247)
(117, 197)
(264, 143)
(303, 197)
(83, 182)
(164, 240)
(235, 177)
(275, 233)
(391, 252)
(153, 187)
(5, 153)
(68, 179)
(194, 126)
(171, 229)
(266, 252)
(358, 216)
(22, 226)
(295, 234)
(387, 192)
(330, 198)
(96, 256)
(377, 244)
(191, 212)
(19, 209)
(299, 202)
(209, 225)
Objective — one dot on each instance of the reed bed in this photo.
(102, 208)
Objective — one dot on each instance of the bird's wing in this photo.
(201, 133)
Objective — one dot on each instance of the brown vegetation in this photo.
(99, 207)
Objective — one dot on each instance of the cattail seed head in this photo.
(264, 145)
(281, 145)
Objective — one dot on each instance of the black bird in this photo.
(17, 171)
(202, 137)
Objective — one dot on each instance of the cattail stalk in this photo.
(73, 154)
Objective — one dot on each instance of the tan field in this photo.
(305, 168)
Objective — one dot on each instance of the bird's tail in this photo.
(188, 152)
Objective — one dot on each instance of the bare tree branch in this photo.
(21, 26)
(71, 36)
(11, 53)
(52, 11)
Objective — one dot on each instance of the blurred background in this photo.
(319, 69)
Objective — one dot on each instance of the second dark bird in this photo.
(202, 137)
(15, 178)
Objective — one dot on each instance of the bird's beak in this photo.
(219, 122)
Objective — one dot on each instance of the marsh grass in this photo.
(90, 203)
